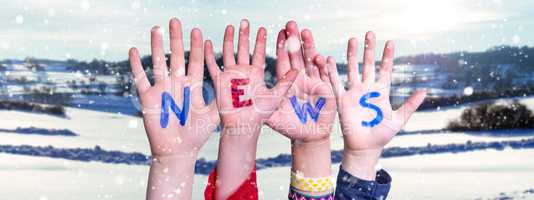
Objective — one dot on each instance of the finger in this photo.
(293, 46)
(410, 106)
(282, 58)
(333, 75)
(309, 53)
(386, 65)
(196, 57)
(369, 59)
(213, 68)
(177, 48)
(258, 59)
(140, 79)
(195, 70)
(158, 55)
(228, 46)
(243, 56)
(281, 87)
(352, 63)
(335, 81)
(323, 71)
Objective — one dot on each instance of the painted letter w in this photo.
(307, 108)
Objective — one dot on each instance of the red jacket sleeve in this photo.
(248, 190)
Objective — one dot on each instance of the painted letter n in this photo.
(167, 101)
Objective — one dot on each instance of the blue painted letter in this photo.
(168, 101)
(379, 116)
(306, 107)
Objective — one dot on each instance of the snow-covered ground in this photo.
(482, 174)
(19, 79)
(448, 176)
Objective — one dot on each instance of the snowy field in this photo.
(19, 79)
(479, 174)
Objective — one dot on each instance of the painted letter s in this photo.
(379, 116)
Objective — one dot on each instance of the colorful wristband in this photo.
(295, 195)
(318, 185)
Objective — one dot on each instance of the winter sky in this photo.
(103, 29)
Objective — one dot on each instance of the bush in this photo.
(57, 110)
(494, 116)
(47, 95)
(434, 102)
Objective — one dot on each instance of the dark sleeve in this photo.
(349, 187)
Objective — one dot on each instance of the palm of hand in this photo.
(174, 138)
(307, 90)
(242, 97)
(263, 102)
(293, 118)
(367, 118)
(353, 114)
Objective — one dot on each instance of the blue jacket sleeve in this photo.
(349, 187)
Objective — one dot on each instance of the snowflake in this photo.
(85, 5)
(132, 123)
(19, 19)
(292, 44)
(516, 39)
(136, 5)
(468, 91)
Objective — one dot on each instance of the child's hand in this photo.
(308, 110)
(367, 118)
(168, 132)
(242, 97)
(244, 104)
(293, 119)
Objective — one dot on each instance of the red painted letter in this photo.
(236, 92)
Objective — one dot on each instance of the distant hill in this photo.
(498, 66)
(523, 57)
(499, 72)
(520, 56)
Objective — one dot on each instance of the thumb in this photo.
(281, 87)
(410, 106)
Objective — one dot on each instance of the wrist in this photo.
(178, 150)
(311, 158)
(177, 159)
(310, 145)
(169, 172)
(361, 163)
(237, 157)
(239, 141)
